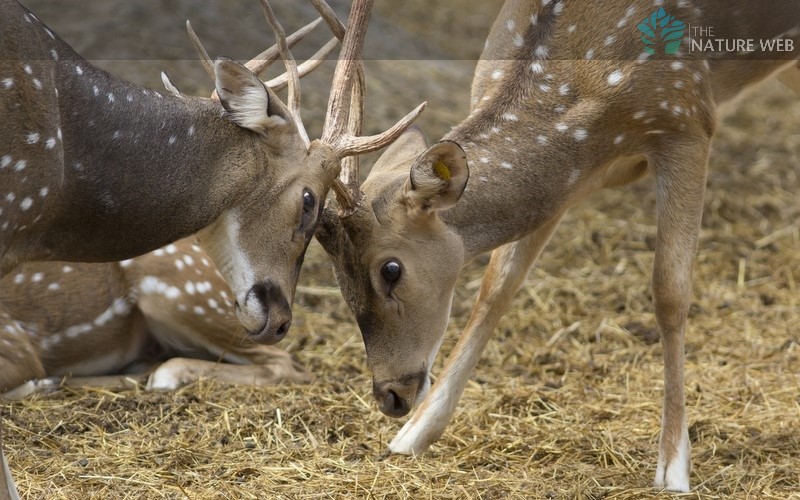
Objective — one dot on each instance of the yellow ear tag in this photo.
(442, 171)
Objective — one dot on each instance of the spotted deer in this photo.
(93, 168)
(88, 322)
(566, 100)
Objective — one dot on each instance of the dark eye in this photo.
(308, 202)
(391, 271)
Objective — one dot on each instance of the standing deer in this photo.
(566, 101)
(91, 320)
(93, 168)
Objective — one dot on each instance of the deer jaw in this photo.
(401, 317)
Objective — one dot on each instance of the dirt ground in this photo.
(566, 401)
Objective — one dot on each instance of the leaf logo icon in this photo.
(661, 32)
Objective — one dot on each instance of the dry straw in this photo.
(566, 400)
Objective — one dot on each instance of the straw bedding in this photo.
(565, 403)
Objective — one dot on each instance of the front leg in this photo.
(8, 491)
(507, 270)
(177, 372)
(680, 182)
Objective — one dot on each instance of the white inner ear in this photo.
(248, 108)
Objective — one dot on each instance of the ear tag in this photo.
(442, 171)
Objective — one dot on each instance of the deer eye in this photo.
(308, 202)
(391, 271)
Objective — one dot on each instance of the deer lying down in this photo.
(87, 320)
(567, 100)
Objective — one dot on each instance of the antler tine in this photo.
(348, 186)
(291, 70)
(350, 58)
(262, 61)
(201, 51)
(336, 119)
(280, 82)
(330, 18)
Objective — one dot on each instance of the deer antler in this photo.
(291, 71)
(343, 120)
(262, 61)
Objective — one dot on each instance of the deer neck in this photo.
(524, 172)
(141, 168)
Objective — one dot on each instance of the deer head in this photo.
(141, 169)
(396, 262)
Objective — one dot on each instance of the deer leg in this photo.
(8, 491)
(19, 357)
(178, 372)
(507, 270)
(680, 181)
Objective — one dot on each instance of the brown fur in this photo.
(563, 105)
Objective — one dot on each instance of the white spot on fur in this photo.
(563, 89)
(5, 161)
(32, 138)
(580, 134)
(8, 83)
(28, 69)
(50, 143)
(497, 74)
(20, 166)
(615, 78)
(79, 70)
(153, 285)
(19, 279)
(537, 68)
(54, 287)
(26, 203)
(562, 127)
(37, 277)
(618, 139)
(66, 269)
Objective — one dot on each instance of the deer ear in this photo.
(244, 97)
(438, 177)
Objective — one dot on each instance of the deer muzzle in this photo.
(265, 306)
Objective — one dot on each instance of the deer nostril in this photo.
(283, 329)
(393, 405)
(393, 401)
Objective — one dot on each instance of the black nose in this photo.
(393, 406)
(396, 397)
(276, 309)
